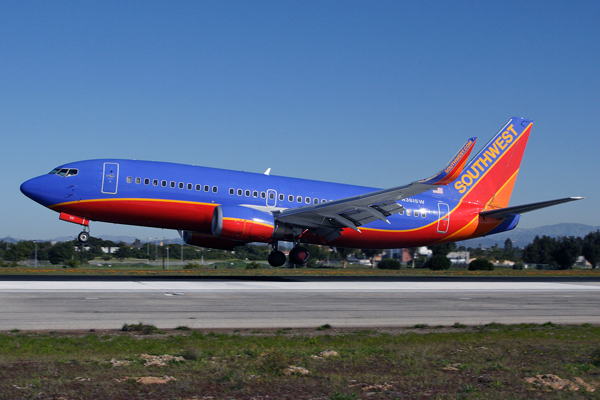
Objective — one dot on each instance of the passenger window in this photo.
(206, 188)
(299, 199)
(199, 188)
(172, 184)
(408, 212)
(146, 181)
(315, 201)
(231, 191)
(263, 195)
(129, 179)
(189, 186)
(291, 198)
(401, 211)
(416, 213)
(215, 189)
(281, 197)
(323, 201)
(138, 180)
(307, 200)
(423, 213)
(271, 196)
(155, 182)
(247, 193)
(163, 183)
(239, 192)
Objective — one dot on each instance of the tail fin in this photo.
(488, 179)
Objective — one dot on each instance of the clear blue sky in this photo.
(376, 93)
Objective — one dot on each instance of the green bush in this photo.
(519, 266)
(192, 265)
(253, 265)
(71, 264)
(389, 263)
(438, 262)
(481, 264)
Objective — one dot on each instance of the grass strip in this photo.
(493, 361)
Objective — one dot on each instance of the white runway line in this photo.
(237, 286)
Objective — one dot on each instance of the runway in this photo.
(107, 303)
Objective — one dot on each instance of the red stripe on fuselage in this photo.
(167, 214)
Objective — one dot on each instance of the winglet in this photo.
(454, 168)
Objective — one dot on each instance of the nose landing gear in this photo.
(84, 235)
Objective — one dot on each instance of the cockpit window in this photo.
(64, 171)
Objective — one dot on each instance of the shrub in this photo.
(140, 327)
(481, 264)
(438, 263)
(253, 265)
(519, 266)
(389, 263)
(71, 264)
(192, 265)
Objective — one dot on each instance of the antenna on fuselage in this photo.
(268, 171)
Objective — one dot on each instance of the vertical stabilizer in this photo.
(488, 179)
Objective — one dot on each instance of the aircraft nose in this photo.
(36, 190)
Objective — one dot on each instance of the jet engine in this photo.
(242, 223)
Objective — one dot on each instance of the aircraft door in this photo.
(110, 178)
(444, 217)
(271, 198)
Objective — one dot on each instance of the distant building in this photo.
(109, 250)
(458, 257)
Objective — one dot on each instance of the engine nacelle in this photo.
(242, 223)
(210, 241)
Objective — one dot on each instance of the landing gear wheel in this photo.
(276, 258)
(299, 255)
(83, 237)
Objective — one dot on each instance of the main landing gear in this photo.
(298, 255)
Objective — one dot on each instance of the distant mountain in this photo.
(521, 237)
(10, 240)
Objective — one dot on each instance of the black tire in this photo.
(276, 258)
(299, 255)
(83, 237)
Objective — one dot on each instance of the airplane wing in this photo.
(505, 212)
(328, 219)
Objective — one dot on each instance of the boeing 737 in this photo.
(222, 209)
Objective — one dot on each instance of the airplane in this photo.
(218, 208)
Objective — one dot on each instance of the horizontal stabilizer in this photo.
(508, 211)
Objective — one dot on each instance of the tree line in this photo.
(561, 252)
